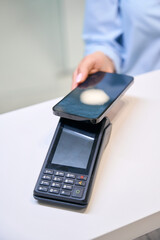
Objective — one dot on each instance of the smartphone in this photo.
(92, 99)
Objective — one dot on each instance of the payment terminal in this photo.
(82, 133)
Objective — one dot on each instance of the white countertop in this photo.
(125, 201)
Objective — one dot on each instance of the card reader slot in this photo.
(60, 202)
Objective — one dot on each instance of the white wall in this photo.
(40, 40)
(73, 12)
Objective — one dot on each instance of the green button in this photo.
(78, 192)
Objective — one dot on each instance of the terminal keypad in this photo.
(62, 183)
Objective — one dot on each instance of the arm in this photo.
(102, 34)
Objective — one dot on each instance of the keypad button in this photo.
(63, 183)
(43, 189)
(68, 187)
(46, 177)
(69, 181)
(57, 173)
(57, 179)
(54, 190)
(43, 182)
(48, 171)
(70, 175)
(56, 185)
(80, 183)
(77, 192)
(82, 177)
(65, 193)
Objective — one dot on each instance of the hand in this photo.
(92, 63)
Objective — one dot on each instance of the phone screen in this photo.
(91, 99)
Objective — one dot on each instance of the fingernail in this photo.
(79, 78)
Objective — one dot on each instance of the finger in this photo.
(84, 69)
(74, 83)
(79, 75)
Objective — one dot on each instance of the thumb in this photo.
(79, 76)
(83, 71)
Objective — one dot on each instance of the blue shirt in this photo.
(128, 31)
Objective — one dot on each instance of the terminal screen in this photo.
(73, 149)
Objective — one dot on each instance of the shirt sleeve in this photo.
(102, 29)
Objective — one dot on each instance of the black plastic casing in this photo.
(102, 130)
